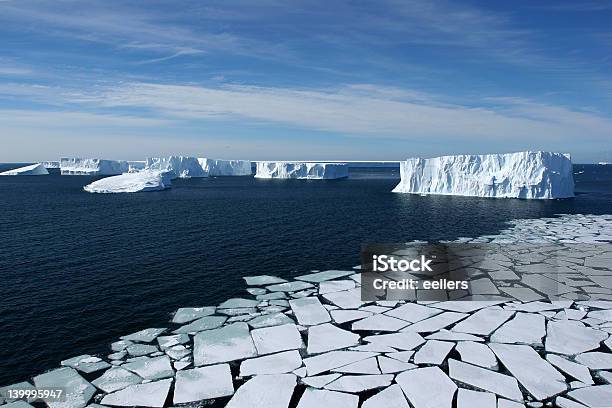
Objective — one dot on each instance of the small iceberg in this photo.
(301, 170)
(528, 175)
(37, 169)
(145, 180)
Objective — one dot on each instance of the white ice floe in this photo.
(596, 360)
(301, 170)
(313, 398)
(115, 379)
(390, 365)
(141, 181)
(343, 316)
(309, 311)
(218, 167)
(433, 352)
(437, 322)
(150, 368)
(318, 277)
(188, 314)
(402, 341)
(475, 399)
(532, 175)
(152, 394)
(267, 320)
(279, 363)
(524, 328)
(32, 170)
(367, 366)
(486, 380)
(570, 337)
(336, 286)
(476, 353)
(228, 343)
(177, 166)
(203, 383)
(391, 396)
(327, 337)
(319, 381)
(534, 373)
(413, 312)
(575, 370)
(347, 299)
(598, 396)
(263, 280)
(427, 387)
(360, 383)
(86, 363)
(256, 393)
(76, 390)
(277, 338)
(92, 167)
(484, 321)
(380, 322)
(334, 359)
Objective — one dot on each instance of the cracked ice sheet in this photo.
(255, 393)
(575, 370)
(327, 337)
(273, 339)
(280, 363)
(144, 336)
(115, 379)
(77, 390)
(262, 280)
(187, 314)
(203, 383)
(402, 341)
(524, 328)
(596, 396)
(334, 359)
(475, 399)
(313, 398)
(228, 343)
(319, 277)
(380, 322)
(540, 378)
(151, 394)
(150, 368)
(309, 311)
(433, 352)
(413, 312)
(348, 299)
(390, 397)
(476, 353)
(437, 322)
(427, 387)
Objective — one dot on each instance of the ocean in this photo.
(79, 270)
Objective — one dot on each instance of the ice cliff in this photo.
(145, 180)
(532, 175)
(301, 170)
(181, 166)
(217, 167)
(37, 169)
(92, 167)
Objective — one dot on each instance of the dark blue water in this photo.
(79, 270)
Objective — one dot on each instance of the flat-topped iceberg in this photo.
(301, 170)
(37, 169)
(531, 175)
(92, 167)
(181, 166)
(51, 164)
(217, 167)
(145, 180)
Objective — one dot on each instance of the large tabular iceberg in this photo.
(533, 175)
(51, 164)
(301, 170)
(181, 166)
(92, 167)
(217, 167)
(145, 180)
(32, 170)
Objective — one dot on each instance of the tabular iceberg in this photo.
(92, 167)
(531, 175)
(180, 166)
(145, 180)
(217, 167)
(134, 166)
(301, 170)
(32, 170)
(51, 164)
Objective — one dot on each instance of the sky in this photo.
(304, 80)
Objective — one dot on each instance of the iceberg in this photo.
(134, 166)
(33, 170)
(217, 167)
(51, 164)
(180, 166)
(301, 170)
(92, 167)
(144, 180)
(528, 175)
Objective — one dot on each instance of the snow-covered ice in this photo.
(92, 167)
(152, 394)
(141, 181)
(279, 363)
(255, 393)
(203, 383)
(277, 338)
(301, 170)
(427, 387)
(32, 170)
(228, 343)
(77, 391)
(532, 175)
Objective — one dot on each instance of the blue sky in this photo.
(268, 79)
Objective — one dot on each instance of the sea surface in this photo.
(78, 270)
